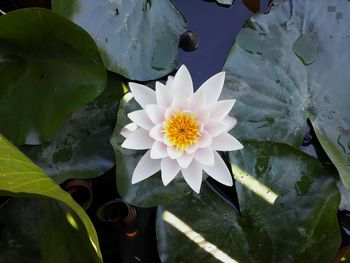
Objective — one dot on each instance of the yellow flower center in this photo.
(182, 130)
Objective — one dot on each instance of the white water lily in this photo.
(181, 130)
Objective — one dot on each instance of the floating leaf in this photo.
(137, 39)
(20, 177)
(81, 149)
(297, 226)
(149, 192)
(49, 67)
(41, 230)
(292, 65)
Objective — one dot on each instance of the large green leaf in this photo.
(147, 193)
(292, 65)
(301, 226)
(81, 149)
(49, 67)
(20, 177)
(137, 38)
(41, 230)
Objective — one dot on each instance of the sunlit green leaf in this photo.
(147, 193)
(49, 67)
(20, 177)
(300, 225)
(137, 39)
(81, 149)
(292, 65)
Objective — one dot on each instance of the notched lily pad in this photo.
(137, 39)
(294, 228)
(292, 65)
(49, 67)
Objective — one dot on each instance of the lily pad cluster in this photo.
(64, 74)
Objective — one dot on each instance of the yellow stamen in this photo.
(182, 130)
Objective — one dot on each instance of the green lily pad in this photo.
(137, 39)
(81, 149)
(147, 193)
(21, 178)
(49, 67)
(292, 65)
(301, 224)
(41, 230)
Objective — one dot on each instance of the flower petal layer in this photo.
(159, 150)
(155, 113)
(145, 168)
(185, 159)
(141, 119)
(163, 95)
(226, 142)
(156, 132)
(142, 94)
(182, 83)
(220, 109)
(169, 169)
(212, 87)
(205, 156)
(138, 140)
(219, 171)
(193, 176)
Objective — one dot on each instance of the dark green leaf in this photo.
(292, 65)
(147, 193)
(137, 39)
(81, 149)
(41, 230)
(20, 177)
(49, 67)
(301, 224)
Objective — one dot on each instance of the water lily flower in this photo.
(182, 130)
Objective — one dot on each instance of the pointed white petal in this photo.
(230, 122)
(173, 153)
(202, 115)
(141, 119)
(158, 150)
(185, 160)
(182, 83)
(219, 171)
(166, 141)
(169, 82)
(212, 87)
(180, 102)
(205, 140)
(215, 128)
(169, 169)
(205, 156)
(226, 142)
(193, 176)
(163, 95)
(156, 133)
(142, 94)
(197, 102)
(169, 112)
(128, 129)
(138, 140)
(145, 168)
(155, 113)
(193, 148)
(221, 109)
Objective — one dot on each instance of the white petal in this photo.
(166, 141)
(155, 113)
(205, 156)
(226, 142)
(163, 95)
(142, 94)
(197, 102)
(185, 160)
(215, 128)
(169, 82)
(212, 87)
(128, 129)
(156, 132)
(141, 119)
(182, 83)
(173, 153)
(180, 102)
(205, 139)
(221, 109)
(193, 176)
(193, 148)
(138, 140)
(145, 168)
(159, 150)
(219, 171)
(230, 122)
(169, 112)
(202, 115)
(169, 169)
